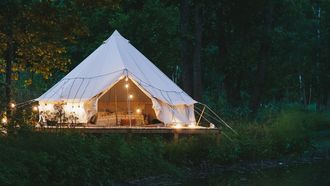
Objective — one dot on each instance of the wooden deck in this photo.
(136, 130)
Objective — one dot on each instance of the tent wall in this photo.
(115, 100)
(73, 111)
(178, 114)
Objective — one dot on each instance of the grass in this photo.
(29, 158)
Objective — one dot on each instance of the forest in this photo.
(262, 65)
(237, 56)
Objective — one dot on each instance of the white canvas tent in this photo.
(114, 61)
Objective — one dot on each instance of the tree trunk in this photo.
(186, 64)
(318, 89)
(264, 58)
(222, 43)
(225, 85)
(302, 91)
(9, 61)
(197, 66)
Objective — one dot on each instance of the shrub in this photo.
(30, 158)
(74, 159)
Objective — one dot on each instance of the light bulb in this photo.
(4, 120)
(177, 126)
(130, 96)
(192, 126)
(126, 85)
(35, 108)
(12, 105)
(126, 79)
(138, 110)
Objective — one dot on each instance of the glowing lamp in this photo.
(192, 126)
(4, 120)
(178, 126)
(35, 108)
(130, 96)
(12, 105)
(126, 85)
(138, 110)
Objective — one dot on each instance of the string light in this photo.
(126, 85)
(4, 120)
(138, 110)
(35, 108)
(130, 96)
(12, 105)
(126, 79)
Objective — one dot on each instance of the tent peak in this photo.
(114, 35)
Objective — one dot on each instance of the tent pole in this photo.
(128, 107)
(129, 112)
(116, 106)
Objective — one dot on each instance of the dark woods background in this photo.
(238, 56)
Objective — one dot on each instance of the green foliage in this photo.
(190, 151)
(50, 37)
(282, 132)
(46, 44)
(71, 159)
(32, 158)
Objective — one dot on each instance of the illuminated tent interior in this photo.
(116, 85)
(125, 104)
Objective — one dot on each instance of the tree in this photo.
(34, 37)
(197, 65)
(185, 47)
(265, 48)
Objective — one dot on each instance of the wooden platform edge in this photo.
(134, 130)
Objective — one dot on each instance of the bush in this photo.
(73, 159)
(30, 158)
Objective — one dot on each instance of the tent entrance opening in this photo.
(125, 105)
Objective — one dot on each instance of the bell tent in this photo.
(117, 85)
